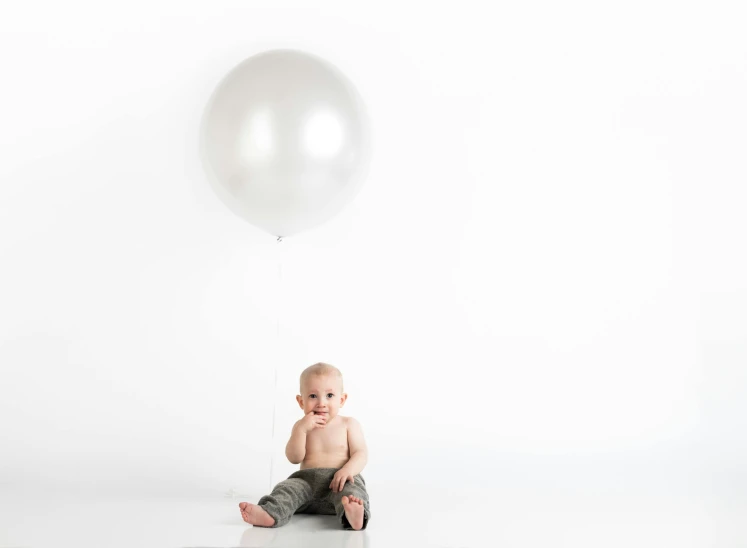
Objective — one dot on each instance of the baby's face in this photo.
(323, 396)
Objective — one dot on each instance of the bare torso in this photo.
(328, 447)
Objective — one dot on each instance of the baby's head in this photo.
(321, 390)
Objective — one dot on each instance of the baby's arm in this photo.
(296, 448)
(357, 447)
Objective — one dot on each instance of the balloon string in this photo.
(277, 358)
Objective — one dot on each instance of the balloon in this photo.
(285, 141)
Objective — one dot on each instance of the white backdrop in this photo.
(542, 283)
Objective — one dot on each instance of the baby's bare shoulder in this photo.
(351, 422)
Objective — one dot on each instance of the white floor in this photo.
(421, 519)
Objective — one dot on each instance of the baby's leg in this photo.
(276, 509)
(352, 505)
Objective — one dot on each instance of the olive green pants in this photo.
(308, 492)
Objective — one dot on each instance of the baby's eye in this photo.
(312, 396)
(330, 394)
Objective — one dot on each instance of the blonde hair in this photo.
(319, 370)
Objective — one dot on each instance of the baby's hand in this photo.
(312, 421)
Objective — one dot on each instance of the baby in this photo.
(332, 453)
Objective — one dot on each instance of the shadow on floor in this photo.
(307, 531)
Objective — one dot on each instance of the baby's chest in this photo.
(334, 440)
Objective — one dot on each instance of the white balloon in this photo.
(285, 141)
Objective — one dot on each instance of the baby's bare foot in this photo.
(256, 515)
(353, 511)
